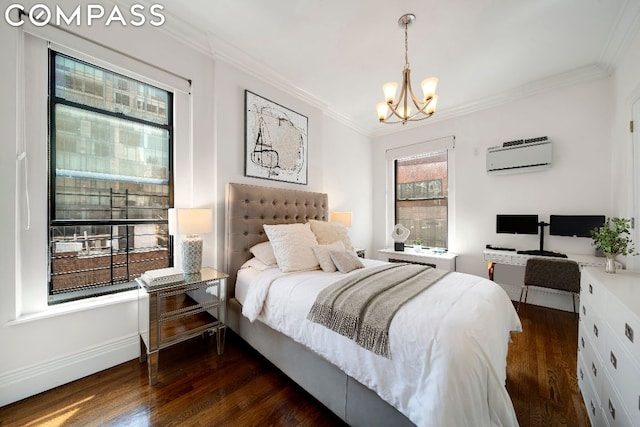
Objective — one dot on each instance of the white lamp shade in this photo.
(389, 90)
(383, 110)
(190, 221)
(431, 108)
(429, 87)
(342, 217)
(403, 114)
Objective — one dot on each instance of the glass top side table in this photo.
(170, 313)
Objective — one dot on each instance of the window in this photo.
(110, 179)
(421, 198)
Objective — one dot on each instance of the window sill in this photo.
(76, 306)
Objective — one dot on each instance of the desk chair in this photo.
(558, 274)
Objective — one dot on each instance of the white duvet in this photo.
(448, 345)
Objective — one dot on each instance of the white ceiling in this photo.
(338, 53)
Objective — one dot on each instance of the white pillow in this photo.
(264, 252)
(323, 256)
(257, 264)
(329, 232)
(292, 245)
(345, 261)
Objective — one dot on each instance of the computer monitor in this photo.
(574, 225)
(517, 224)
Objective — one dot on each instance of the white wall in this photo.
(336, 155)
(42, 347)
(626, 90)
(579, 181)
(347, 162)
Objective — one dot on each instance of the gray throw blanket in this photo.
(362, 305)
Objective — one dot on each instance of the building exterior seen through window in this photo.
(110, 182)
(421, 199)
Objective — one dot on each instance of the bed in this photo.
(460, 383)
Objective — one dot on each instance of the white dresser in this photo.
(609, 346)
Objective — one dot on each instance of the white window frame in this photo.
(430, 146)
(31, 288)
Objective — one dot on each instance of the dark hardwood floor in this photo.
(196, 387)
(541, 369)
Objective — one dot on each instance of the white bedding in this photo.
(448, 345)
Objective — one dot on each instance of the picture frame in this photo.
(276, 141)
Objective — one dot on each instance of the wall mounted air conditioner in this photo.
(519, 157)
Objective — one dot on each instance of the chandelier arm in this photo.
(401, 99)
(387, 122)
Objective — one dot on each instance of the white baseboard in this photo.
(24, 382)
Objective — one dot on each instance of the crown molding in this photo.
(626, 27)
(579, 75)
(219, 50)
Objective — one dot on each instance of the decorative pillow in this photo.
(345, 261)
(292, 245)
(329, 232)
(264, 252)
(258, 265)
(324, 257)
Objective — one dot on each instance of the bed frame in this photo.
(248, 207)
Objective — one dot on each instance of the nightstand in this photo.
(174, 312)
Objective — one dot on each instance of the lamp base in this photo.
(398, 246)
(192, 254)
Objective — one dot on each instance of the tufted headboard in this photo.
(248, 207)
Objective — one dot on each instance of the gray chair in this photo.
(560, 274)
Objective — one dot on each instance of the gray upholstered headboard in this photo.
(248, 207)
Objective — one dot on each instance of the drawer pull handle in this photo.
(590, 288)
(582, 378)
(613, 359)
(628, 331)
(594, 370)
(612, 410)
(582, 341)
(584, 310)
(593, 408)
(595, 330)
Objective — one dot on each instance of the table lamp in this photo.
(342, 217)
(192, 223)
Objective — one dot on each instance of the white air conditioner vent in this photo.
(522, 157)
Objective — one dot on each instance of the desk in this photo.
(493, 257)
(445, 261)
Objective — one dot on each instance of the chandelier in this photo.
(399, 110)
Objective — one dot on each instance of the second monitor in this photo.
(574, 225)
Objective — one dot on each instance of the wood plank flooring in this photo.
(197, 387)
(541, 369)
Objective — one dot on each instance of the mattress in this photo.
(448, 344)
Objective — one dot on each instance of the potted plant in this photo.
(613, 239)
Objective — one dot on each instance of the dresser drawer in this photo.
(592, 367)
(623, 371)
(625, 326)
(612, 406)
(589, 395)
(593, 326)
(591, 292)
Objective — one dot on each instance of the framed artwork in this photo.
(275, 141)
